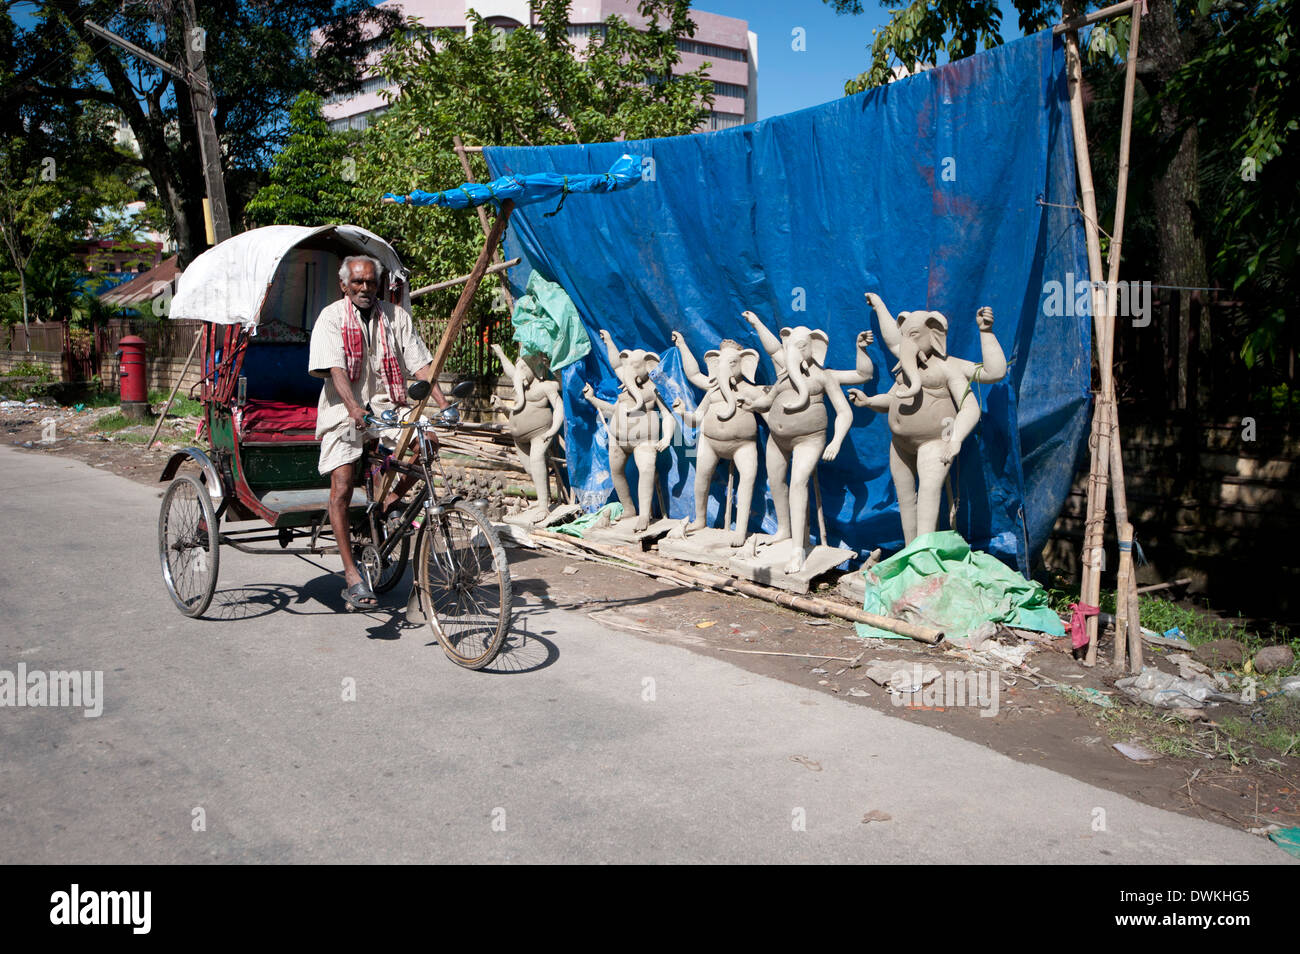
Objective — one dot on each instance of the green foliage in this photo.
(1240, 90)
(527, 87)
(259, 57)
(311, 177)
(30, 369)
(921, 33)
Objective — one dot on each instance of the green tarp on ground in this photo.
(547, 323)
(940, 582)
(578, 528)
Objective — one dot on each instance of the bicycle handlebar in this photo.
(419, 423)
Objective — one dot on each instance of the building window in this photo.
(729, 89)
(725, 120)
(713, 50)
(586, 31)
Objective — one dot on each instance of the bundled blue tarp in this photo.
(949, 190)
(526, 189)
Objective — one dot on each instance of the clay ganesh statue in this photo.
(931, 408)
(639, 425)
(794, 409)
(727, 431)
(536, 416)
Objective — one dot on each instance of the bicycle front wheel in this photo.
(464, 581)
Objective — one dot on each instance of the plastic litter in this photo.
(1166, 691)
(1288, 839)
(1138, 753)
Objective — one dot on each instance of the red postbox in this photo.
(133, 377)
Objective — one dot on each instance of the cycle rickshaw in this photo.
(258, 294)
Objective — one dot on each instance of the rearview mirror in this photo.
(463, 389)
(418, 391)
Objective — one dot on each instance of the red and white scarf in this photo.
(354, 351)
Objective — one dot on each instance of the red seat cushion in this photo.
(277, 421)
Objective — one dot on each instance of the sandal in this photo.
(361, 597)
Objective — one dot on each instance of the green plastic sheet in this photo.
(546, 322)
(940, 582)
(1288, 839)
(578, 528)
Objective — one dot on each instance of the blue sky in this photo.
(836, 48)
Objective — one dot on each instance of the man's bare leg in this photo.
(340, 497)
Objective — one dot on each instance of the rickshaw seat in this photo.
(307, 501)
(277, 421)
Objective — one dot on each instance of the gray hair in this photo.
(345, 269)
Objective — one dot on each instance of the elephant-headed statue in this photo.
(728, 431)
(931, 407)
(536, 416)
(639, 425)
(795, 411)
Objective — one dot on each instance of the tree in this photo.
(527, 87)
(310, 177)
(60, 169)
(259, 55)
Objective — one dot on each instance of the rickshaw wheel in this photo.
(464, 581)
(189, 544)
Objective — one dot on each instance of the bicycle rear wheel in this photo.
(464, 581)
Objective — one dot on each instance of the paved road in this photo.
(565, 757)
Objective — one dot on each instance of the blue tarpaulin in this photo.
(949, 190)
(526, 189)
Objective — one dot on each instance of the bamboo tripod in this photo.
(1107, 466)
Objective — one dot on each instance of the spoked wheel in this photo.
(383, 578)
(189, 544)
(464, 579)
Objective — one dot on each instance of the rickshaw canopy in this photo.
(229, 283)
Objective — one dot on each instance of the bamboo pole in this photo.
(717, 581)
(1098, 473)
(482, 214)
(1078, 23)
(1126, 594)
(454, 324)
(462, 279)
(1122, 582)
(171, 397)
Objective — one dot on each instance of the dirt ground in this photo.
(1199, 771)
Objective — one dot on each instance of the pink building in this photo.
(724, 42)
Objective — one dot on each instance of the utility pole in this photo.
(195, 79)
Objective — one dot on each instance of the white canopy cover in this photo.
(228, 284)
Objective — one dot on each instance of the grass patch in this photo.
(182, 406)
(114, 422)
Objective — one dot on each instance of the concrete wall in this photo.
(51, 359)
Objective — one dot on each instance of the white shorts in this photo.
(340, 446)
